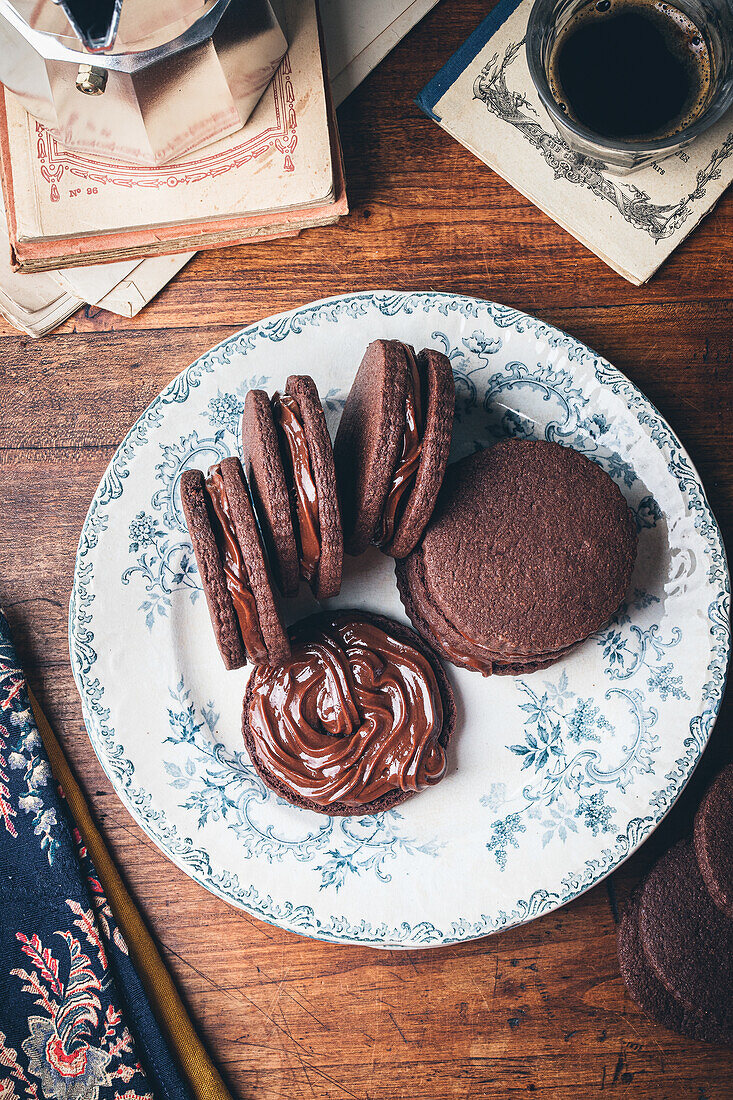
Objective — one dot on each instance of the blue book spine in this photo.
(462, 58)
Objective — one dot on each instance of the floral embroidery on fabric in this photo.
(78, 1046)
(65, 972)
(21, 750)
(11, 683)
(101, 906)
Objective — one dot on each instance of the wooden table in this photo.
(541, 1009)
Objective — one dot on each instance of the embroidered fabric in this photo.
(75, 1021)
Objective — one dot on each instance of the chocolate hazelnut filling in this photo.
(407, 466)
(304, 494)
(235, 569)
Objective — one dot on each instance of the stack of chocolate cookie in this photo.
(675, 941)
(529, 550)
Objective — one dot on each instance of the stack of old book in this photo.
(281, 173)
(85, 231)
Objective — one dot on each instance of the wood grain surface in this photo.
(541, 1009)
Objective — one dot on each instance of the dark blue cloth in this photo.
(75, 1021)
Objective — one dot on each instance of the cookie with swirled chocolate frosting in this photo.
(392, 446)
(289, 462)
(355, 721)
(232, 565)
(530, 549)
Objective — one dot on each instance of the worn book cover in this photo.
(32, 303)
(39, 302)
(484, 97)
(358, 36)
(279, 174)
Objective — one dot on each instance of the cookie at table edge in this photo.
(250, 542)
(436, 370)
(327, 581)
(369, 439)
(713, 837)
(391, 799)
(687, 940)
(269, 487)
(211, 570)
(648, 992)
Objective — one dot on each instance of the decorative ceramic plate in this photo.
(554, 778)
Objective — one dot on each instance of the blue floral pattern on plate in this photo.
(574, 771)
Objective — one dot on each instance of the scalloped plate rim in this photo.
(288, 923)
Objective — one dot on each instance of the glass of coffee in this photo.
(628, 82)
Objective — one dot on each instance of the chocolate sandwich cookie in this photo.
(355, 721)
(392, 446)
(231, 562)
(289, 462)
(264, 469)
(687, 940)
(649, 993)
(714, 840)
(530, 549)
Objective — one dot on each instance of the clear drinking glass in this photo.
(714, 18)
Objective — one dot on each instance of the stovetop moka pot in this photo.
(141, 81)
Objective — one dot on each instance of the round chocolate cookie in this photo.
(369, 440)
(324, 731)
(196, 509)
(234, 574)
(687, 940)
(649, 993)
(530, 549)
(714, 840)
(437, 379)
(264, 469)
(326, 582)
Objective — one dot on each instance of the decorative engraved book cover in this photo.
(485, 98)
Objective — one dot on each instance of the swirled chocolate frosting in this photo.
(352, 715)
